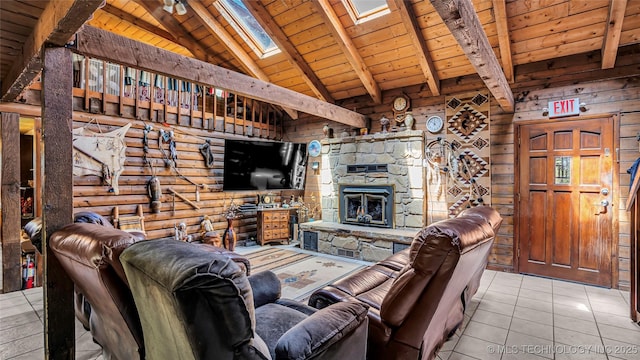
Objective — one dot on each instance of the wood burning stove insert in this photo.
(367, 205)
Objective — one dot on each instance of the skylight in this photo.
(365, 10)
(247, 26)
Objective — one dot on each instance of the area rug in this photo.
(272, 258)
(468, 135)
(301, 278)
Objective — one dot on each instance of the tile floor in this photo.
(511, 317)
(526, 317)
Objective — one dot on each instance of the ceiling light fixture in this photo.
(179, 5)
(180, 8)
(168, 6)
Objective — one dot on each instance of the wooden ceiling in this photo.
(324, 54)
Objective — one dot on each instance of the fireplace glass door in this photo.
(369, 206)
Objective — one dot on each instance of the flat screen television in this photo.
(262, 165)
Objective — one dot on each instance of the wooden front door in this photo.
(566, 190)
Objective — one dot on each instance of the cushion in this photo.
(319, 331)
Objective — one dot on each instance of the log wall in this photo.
(91, 194)
(606, 92)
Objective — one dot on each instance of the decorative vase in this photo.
(325, 130)
(408, 120)
(229, 236)
(384, 124)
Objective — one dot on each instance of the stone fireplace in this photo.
(373, 194)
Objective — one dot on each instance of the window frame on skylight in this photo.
(245, 32)
(359, 18)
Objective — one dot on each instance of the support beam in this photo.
(137, 22)
(349, 49)
(104, 45)
(612, 33)
(10, 212)
(57, 24)
(410, 21)
(288, 49)
(462, 20)
(504, 40)
(183, 38)
(57, 199)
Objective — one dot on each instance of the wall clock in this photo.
(435, 124)
(400, 103)
(314, 148)
(400, 106)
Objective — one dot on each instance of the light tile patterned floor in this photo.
(512, 317)
(526, 317)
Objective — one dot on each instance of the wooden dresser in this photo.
(273, 226)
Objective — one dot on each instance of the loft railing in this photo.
(155, 97)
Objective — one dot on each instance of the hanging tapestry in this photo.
(467, 122)
(100, 154)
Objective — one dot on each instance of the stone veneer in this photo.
(403, 152)
(359, 242)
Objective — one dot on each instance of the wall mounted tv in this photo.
(262, 165)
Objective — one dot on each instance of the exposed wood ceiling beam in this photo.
(110, 9)
(349, 49)
(108, 46)
(424, 58)
(461, 19)
(288, 49)
(183, 38)
(218, 31)
(612, 33)
(504, 40)
(57, 24)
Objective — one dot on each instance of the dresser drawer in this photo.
(273, 226)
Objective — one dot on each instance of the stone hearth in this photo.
(358, 242)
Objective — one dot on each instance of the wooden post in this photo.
(87, 73)
(57, 111)
(105, 88)
(37, 198)
(11, 260)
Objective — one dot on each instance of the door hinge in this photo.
(518, 252)
(518, 195)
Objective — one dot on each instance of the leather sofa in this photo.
(196, 304)
(417, 296)
(89, 251)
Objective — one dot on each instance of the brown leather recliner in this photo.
(33, 229)
(89, 252)
(417, 296)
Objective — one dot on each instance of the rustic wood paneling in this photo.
(10, 214)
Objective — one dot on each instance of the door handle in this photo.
(603, 206)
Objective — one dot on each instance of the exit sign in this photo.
(564, 107)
